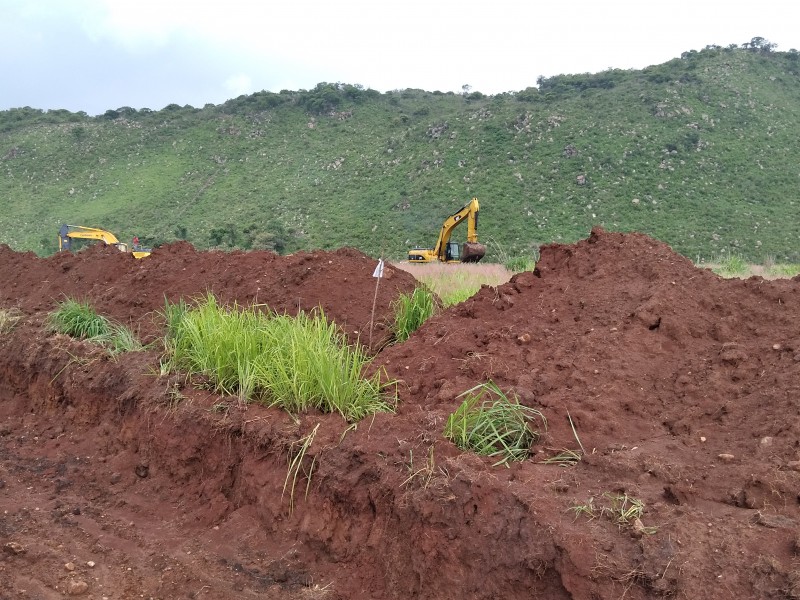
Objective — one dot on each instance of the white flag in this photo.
(379, 269)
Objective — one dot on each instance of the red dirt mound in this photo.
(683, 390)
(133, 291)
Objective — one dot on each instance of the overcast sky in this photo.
(95, 55)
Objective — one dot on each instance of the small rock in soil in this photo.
(725, 457)
(115, 478)
(77, 587)
(14, 548)
(774, 521)
(142, 471)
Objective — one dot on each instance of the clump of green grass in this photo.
(732, 265)
(490, 423)
(296, 362)
(173, 315)
(80, 320)
(518, 264)
(9, 317)
(411, 311)
(458, 295)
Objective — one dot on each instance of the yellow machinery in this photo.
(447, 251)
(69, 232)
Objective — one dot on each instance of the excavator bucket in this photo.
(472, 252)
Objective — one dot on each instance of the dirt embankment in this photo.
(683, 390)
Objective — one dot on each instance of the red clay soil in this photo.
(119, 482)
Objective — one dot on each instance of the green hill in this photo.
(700, 152)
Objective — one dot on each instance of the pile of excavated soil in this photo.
(135, 291)
(677, 389)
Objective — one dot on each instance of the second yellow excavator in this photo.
(69, 232)
(447, 251)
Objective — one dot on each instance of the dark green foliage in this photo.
(700, 152)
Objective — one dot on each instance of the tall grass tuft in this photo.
(80, 320)
(297, 362)
(490, 423)
(172, 315)
(411, 311)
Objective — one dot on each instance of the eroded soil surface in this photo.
(117, 481)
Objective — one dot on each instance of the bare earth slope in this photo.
(683, 389)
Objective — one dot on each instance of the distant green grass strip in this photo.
(783, 271)
(732, 265)
(297, 363)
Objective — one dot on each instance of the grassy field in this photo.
(455, 283)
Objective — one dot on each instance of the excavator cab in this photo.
(451, 252)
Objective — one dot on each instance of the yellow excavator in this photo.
(67, 233)
(445, 250)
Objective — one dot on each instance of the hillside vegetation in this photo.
(700, 152)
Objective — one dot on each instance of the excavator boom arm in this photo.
(470, 211)
(67, 233)
(446, 251)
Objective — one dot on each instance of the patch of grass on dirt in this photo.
(297, 454)
(567, 457)
(411, 311)
(9, 317)
(515, 263)
(422, 474)
(278, 360)
(732, 265)
(80, 320)
(518, 264)
(778, 271)
(490, 423)
(621, 509)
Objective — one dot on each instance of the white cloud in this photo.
(239, 84)
(159, 52)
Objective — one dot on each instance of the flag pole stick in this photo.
(379, 274)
